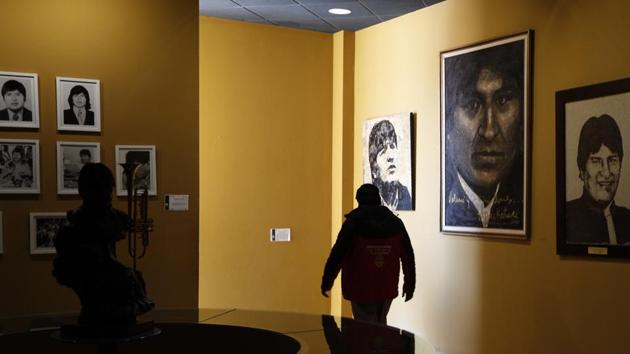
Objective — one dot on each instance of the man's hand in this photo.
(326, 293)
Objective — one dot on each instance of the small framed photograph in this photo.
(485, 139)
(387, 159)
(593, 188)
(19, 104)
(146, 175)
(44, 227)
(78, 104)
(71, 156)
(19, 166)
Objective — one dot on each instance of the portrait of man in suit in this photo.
(79, 112)
(594, 218)
(483, 140)
(14, 97)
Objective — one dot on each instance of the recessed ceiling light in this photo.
(340, 11)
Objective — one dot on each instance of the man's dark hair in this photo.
(368, 194)
(137, 156)
(96, 184)
(462, 73)
(381, 135)
(598, 131)
(13, 85)
(78, 89)
(85, 152)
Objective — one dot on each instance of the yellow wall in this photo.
(265, 161)
(145, 54)
(490, 296)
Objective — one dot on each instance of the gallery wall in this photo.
(492, 296)
(145, 55)
(265, 161)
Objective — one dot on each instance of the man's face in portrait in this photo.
(601, 175)
(386, 162)
(14, 100)
(85, 158)
(17, 156)
(79, 100)
(485, 130)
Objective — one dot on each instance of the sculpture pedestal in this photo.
(106, 337)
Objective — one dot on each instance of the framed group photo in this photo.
(71, 156)
(146, 176)
(388, 159)
(19, 104)
(485, 138)
(593, 188)
(43, 229)
(78, 104)
(19, 166)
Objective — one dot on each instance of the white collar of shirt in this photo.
(20, 114)
(482, 210)
(76, 114)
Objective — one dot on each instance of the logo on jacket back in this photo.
(379, 253)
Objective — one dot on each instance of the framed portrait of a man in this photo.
(19, 104)
(71, 156)
(387, 159)
(78, 104)
(485, 119)
(19, 166)
(43, 228)
(146, 175)
(593, 196)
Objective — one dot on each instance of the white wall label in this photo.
(280, 235)
(600, 251)
(176, 202)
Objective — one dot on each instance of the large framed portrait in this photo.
(485, 120)
(43, 229)
(19, 166)
(593, 196)
(71, 156)
(78, 104)
(387, 158)
(19, 104)
(146, 176)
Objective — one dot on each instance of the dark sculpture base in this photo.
(100, 334)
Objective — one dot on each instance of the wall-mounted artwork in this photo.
(19, 105)
(71, 156)
(387, 159)
(146, 177)
(485, 118)
(78, 104)
(593, 188)
(19, 166)
(44, 227)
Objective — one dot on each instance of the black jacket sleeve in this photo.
(339, 250)
(408, 263)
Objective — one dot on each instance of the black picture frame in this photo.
(579, 230)
(507, 206)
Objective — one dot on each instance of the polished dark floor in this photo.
(223, 331)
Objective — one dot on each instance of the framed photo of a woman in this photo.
(19, 166)
(19, 104)
(71, 156)
(592, 186)
(78, 104)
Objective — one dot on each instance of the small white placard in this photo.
(280, 235)
(176, 202)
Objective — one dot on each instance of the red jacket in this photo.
(369, 250)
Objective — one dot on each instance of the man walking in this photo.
(369, 249)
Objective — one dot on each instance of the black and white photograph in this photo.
(387, 159)
(71, 157)
(144, 156)
(78, 104)
(19, 166)
(593, 195)
(485, 119)
(19, 106)
(44, 227)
